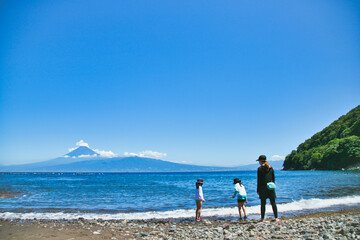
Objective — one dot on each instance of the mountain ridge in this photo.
(276, 165)
(116, 164)
(84, 159)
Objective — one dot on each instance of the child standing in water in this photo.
(240, 192)
(199, 198)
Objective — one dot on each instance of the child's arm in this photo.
(235, 192)
(201, 195)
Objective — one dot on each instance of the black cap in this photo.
(200, 180)
(261, 158)
(236, 180)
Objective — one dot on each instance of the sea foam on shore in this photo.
(286, 209)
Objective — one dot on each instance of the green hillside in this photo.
(335, 147)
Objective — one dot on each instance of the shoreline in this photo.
(342, 224)
(165, 172)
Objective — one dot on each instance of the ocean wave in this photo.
(302, 205)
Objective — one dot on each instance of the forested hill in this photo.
(335, 147)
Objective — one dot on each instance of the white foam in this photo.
(300, 205)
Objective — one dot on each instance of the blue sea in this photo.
(168, 195)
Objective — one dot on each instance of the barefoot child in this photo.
(199, 198)
(240, 192)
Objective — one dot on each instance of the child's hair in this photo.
(197, 184)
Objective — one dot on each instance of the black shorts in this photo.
(241, 200)
(265, 193)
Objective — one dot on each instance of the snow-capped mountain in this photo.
(84, 159)
(82, 151)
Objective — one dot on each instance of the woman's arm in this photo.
(258, 180)
(273, 175)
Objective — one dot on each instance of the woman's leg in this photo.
(263, 203)
(239, 208)
(274, 207)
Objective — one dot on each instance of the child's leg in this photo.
(239, 208)
(197, 210)
(243, 208)
(200, 207)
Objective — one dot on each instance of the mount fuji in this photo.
(82, 151)
(84, 159)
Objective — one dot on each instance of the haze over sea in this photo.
(168, 195)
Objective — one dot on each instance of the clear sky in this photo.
(201, 82)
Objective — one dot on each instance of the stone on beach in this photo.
(342, 225)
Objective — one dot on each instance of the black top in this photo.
(264, 176)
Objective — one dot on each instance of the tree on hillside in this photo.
(335, 147)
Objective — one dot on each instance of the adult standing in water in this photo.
(265, 175)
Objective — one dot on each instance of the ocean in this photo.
(112, 196)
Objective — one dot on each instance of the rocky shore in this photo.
(342, 225)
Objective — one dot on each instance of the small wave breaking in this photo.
(302, 205)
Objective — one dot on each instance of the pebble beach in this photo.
(344, 224)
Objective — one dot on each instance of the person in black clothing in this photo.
(266, 174)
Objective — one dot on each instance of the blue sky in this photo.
(202, 82)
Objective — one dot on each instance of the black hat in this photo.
(236, 180)
(200, 180)
(261, 158)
